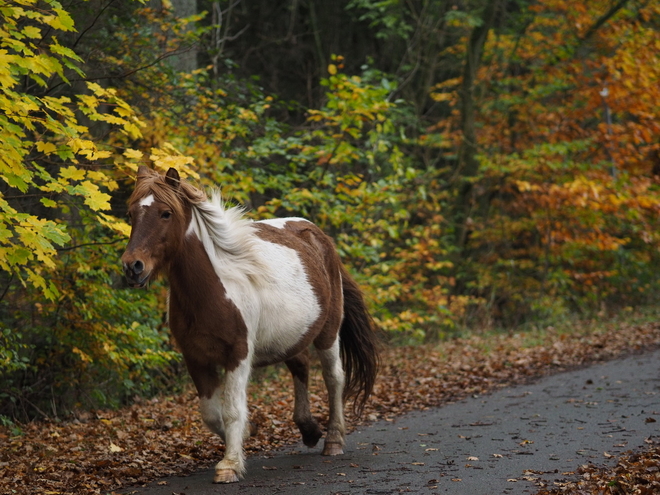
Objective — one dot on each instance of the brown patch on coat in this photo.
(216, 336)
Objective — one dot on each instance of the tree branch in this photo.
(603, 20)
(69, 248)
(93, 23)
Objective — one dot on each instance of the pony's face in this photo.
(157, 226)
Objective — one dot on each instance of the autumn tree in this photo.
(559, 177)
(64, 328)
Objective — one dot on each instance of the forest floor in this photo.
(104, 451)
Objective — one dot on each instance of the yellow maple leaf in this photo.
(94, 198)
(72, 173)
(132, 154)
(46, 148)
(115, 224)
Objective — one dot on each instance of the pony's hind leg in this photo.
(302, 416)
(333, 375)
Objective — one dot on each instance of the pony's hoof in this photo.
(332, 448)
(225, 476)
(311, 434)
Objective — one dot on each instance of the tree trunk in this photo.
(186, 61)
(468, 163)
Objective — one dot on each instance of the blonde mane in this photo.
(230, 241)
(227, 236)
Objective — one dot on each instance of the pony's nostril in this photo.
(138, 267)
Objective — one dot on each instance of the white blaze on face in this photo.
(144, 203)
(147, 201)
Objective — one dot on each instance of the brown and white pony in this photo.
(245, 294)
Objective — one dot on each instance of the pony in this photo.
(244, 294)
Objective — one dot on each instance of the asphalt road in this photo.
(494, 444)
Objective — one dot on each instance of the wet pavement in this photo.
(503, 443)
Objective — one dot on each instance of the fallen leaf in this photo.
(406, 382)
(115, 448)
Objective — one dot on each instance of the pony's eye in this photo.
(166, 214)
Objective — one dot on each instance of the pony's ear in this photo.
(172, 178)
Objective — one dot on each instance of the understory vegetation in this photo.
(480, 164)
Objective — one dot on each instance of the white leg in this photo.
(333, 375)
(211, 410)
(235, 419)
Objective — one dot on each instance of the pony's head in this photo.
(160, 211)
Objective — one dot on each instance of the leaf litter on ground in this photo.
(103, 451)
(635, 473)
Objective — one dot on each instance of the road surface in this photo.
(503, 443)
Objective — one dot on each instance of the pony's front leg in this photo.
(235, 419)
(209, 389)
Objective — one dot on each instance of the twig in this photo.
(69, 248)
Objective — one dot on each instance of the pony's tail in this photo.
(358, 344)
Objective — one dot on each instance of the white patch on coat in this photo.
(279, 313)
(267, 282)
(147, 200)
(288, 306)
(191, 229)
(279, 223)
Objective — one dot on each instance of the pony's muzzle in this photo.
(134, 272)
(136, 267)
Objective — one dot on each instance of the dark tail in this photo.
(358, 344)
